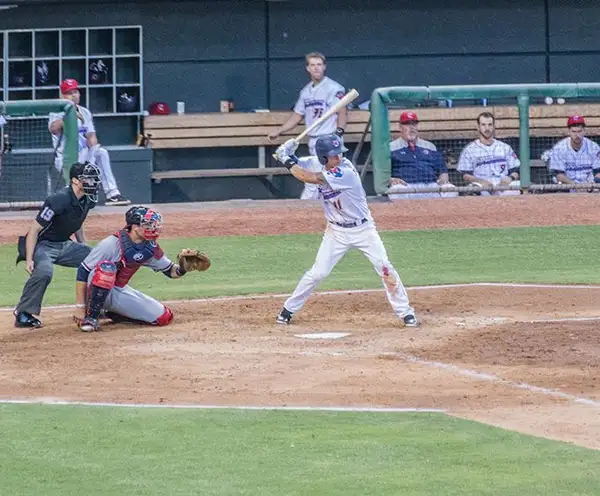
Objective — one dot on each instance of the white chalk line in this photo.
(53, 402)
(483, 376)
(348, 291)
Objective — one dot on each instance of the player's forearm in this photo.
(176, 272)
(31, 241)
(469, 178)
(306, 176)
(56, 127)
(443, 178)
(92, 139)
(80, 293)
(290, 124)
(342, 118)
(562, 178)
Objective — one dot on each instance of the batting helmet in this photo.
(149, 220)
(329, 146)
(89, 177)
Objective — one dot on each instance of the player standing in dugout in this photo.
(48, 241)
(318, 96)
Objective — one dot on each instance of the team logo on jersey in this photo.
(336, 171)
(514, 155)
(339, 95)
(426, 152)
(598, 154)
(138, 256)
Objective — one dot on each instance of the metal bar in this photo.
(525, 170)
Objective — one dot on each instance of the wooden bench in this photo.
(224, 130)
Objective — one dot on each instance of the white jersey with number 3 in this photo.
(315, 100)
(344, 198)
(577, 165)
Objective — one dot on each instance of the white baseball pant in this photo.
(336, 242)
(99, 156)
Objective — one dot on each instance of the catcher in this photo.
(103, 277)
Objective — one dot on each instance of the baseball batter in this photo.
(575, 159)
(349, 224)
(318, 96)
(489, 162)
(103, 276)
(89, 148)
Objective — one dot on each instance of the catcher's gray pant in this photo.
(100, 157)
(134, 304)
(46, 255)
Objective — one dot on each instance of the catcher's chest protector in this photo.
(133, 256)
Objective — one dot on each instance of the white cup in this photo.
(181, 108)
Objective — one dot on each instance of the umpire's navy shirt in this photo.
(62, 215)
(419, 163)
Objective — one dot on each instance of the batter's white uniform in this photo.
(577, 165)
(313, 102)
(349, 225)
(490, 162)
(97, 155)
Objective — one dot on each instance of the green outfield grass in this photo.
(267, 264)
(74, 450)
(62, 450)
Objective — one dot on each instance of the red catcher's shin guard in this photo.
(165, 319)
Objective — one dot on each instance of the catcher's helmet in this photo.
(149, 220)
(329, 146)
(127, 102)
(89, 177)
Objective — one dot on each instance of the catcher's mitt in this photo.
(193, 260)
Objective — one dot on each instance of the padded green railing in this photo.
(383, 98)
(41, 108)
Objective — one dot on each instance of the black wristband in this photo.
(339, 131)
(289, 163)
(180, 271)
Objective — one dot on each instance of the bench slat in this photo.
(196, 173)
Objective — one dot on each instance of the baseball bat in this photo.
(346, 100)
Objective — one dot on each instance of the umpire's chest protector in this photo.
(133, 256)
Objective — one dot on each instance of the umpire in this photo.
(48, 240)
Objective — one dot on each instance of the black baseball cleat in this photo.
(284, 316)
(118, 318)
(410, 321)
(25, 319)
(117, 200)
(89, 325)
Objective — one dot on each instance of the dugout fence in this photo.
(529, 117)
(27, 171)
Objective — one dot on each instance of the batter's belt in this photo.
(350, 224)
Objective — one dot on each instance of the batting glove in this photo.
(290, 146)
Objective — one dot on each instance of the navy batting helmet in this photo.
(329, 146)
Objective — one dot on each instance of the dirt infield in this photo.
(526, 358)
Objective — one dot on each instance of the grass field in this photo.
(267, 264)
(68, 450)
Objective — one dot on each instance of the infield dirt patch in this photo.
(230, 352)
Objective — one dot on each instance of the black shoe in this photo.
(410, 321)
(284, 316)
(25, 319)
(118, 318)
(117, 200)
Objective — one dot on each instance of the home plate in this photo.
(323, 335)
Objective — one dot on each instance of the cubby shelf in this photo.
(106, 61)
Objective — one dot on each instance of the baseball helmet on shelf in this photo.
(126, 102)
(329, 146)
(159, 108)
(98, 72)
(42, 73)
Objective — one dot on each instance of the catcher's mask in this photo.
(89, 177)
(149, 220)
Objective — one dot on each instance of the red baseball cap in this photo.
(406, 117)
(159, 108)
(576, 120)
(69, 85)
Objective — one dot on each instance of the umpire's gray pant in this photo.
(46, 255)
